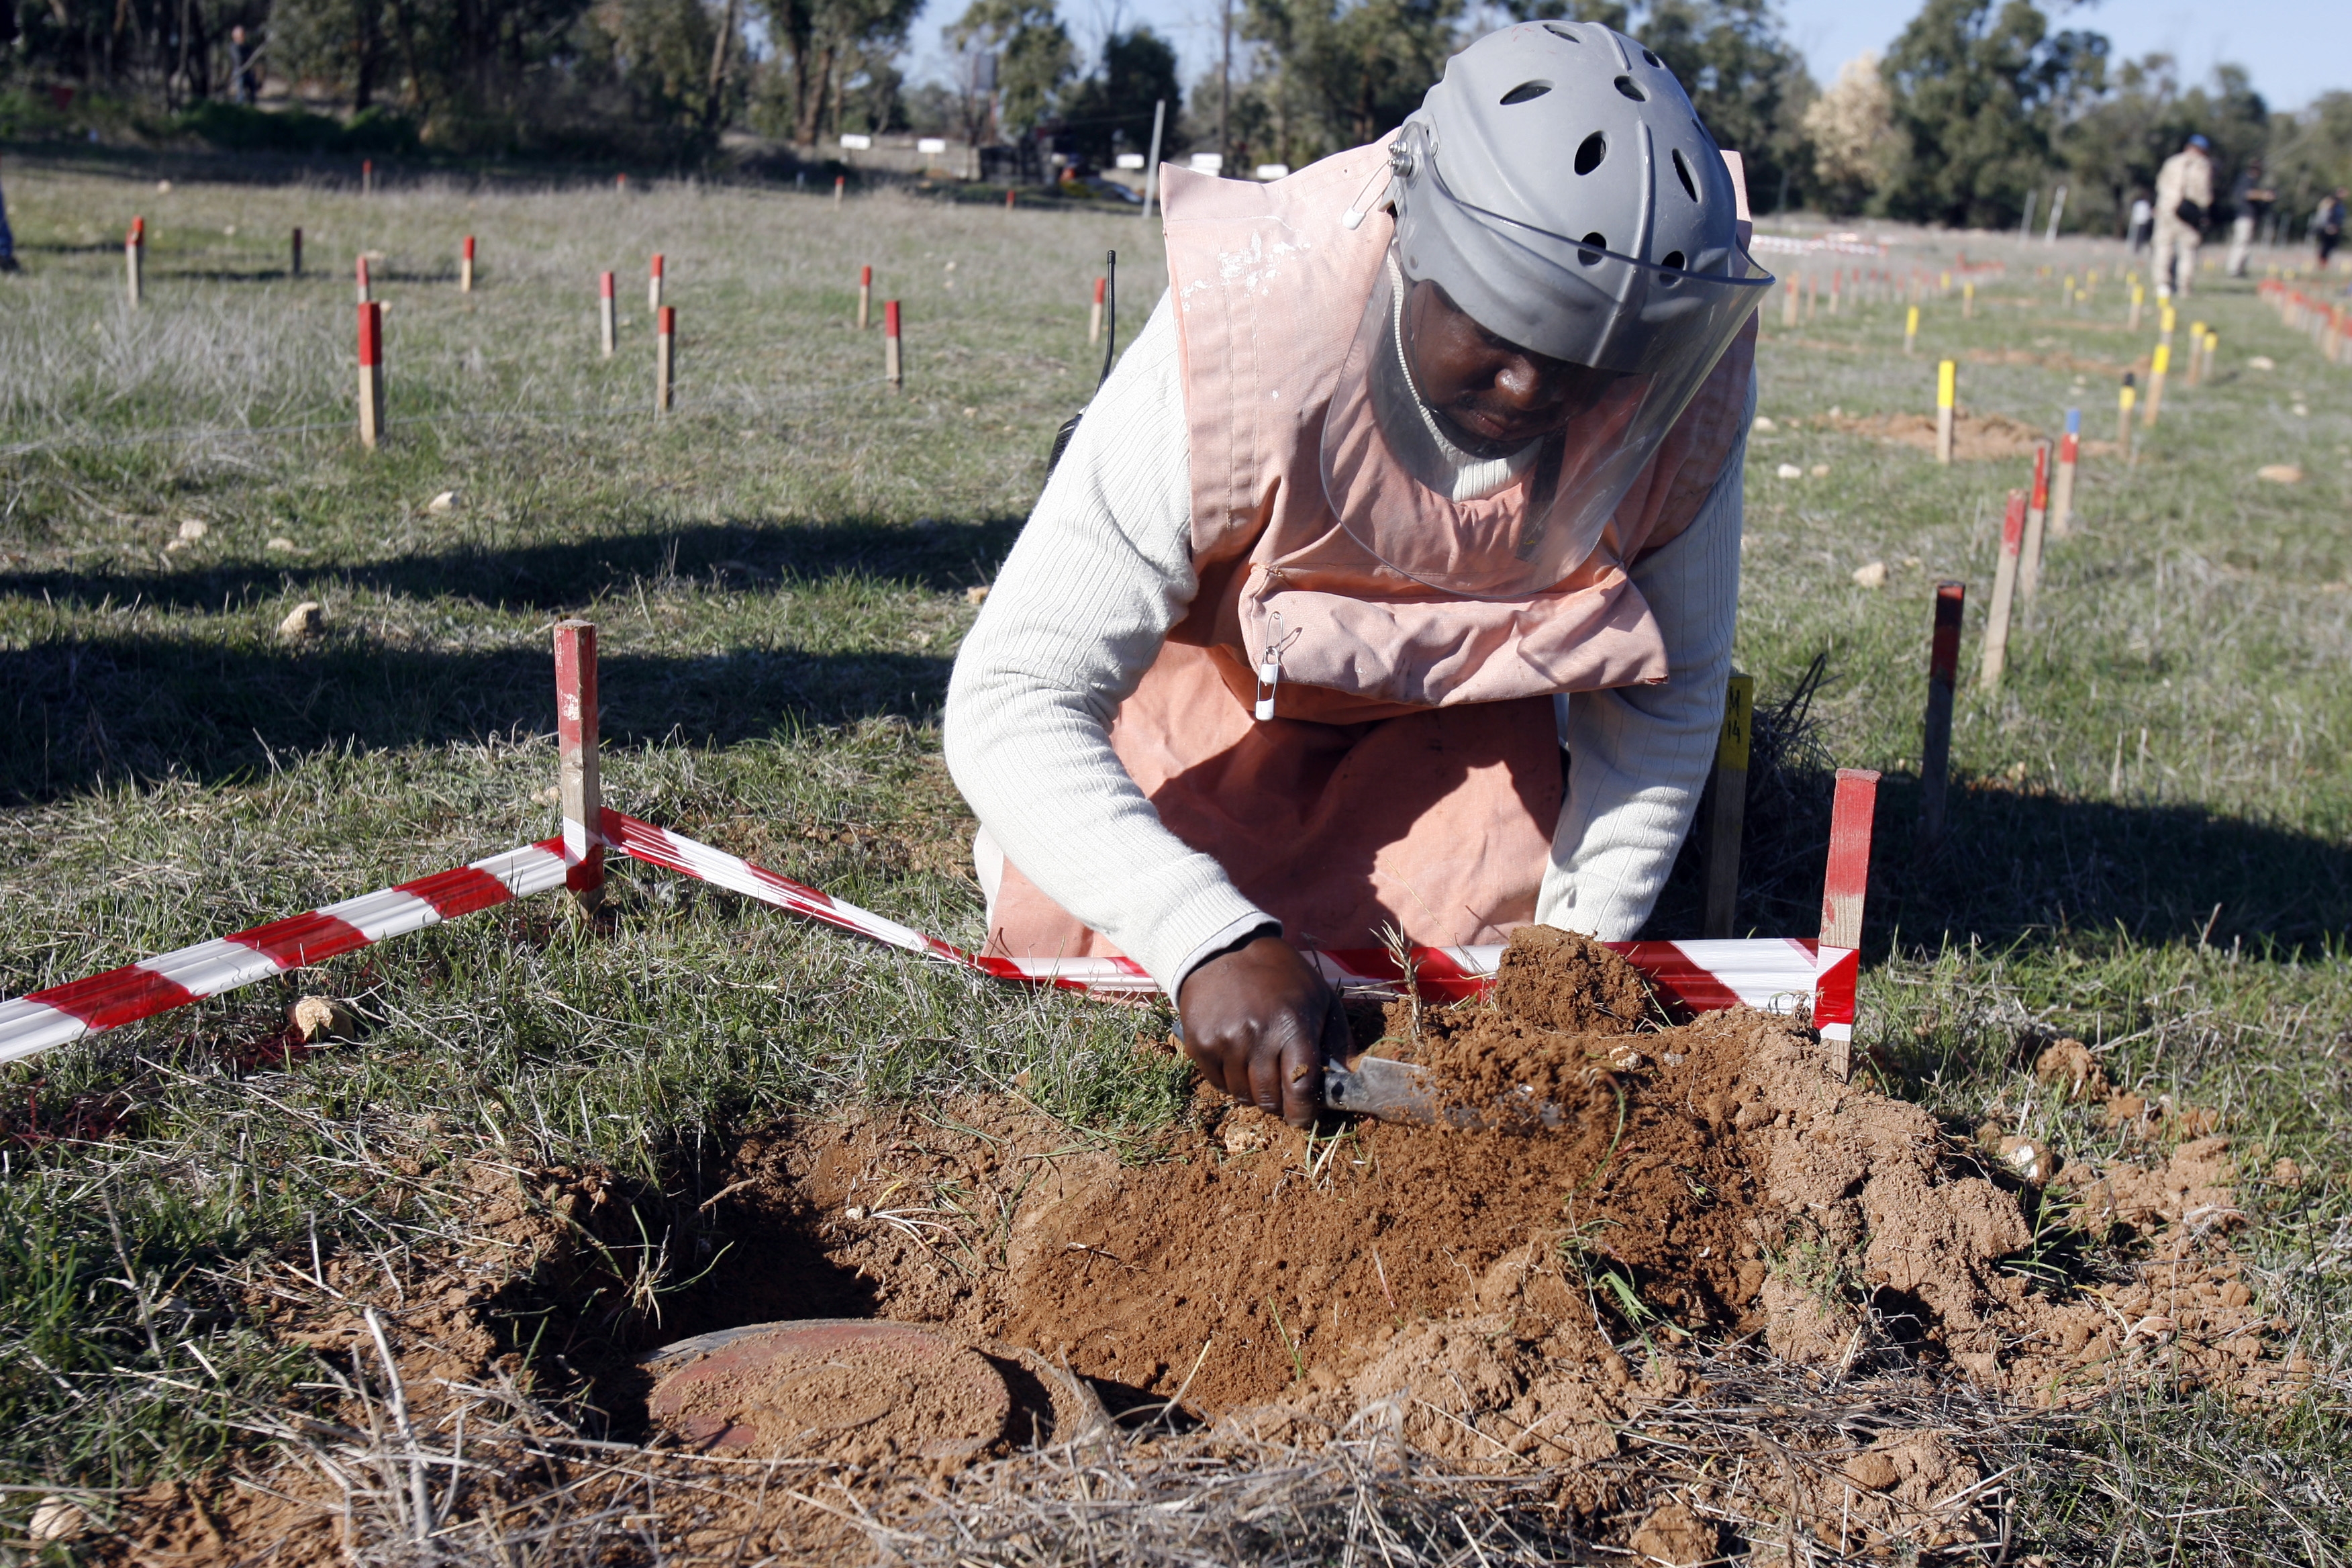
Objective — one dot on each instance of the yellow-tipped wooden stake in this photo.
(2196, 353)
(1730, 809)
(1910, 329)
(2213, 346)
(2156, 373)
(2138, 297)
(2124, 401)
(1967, 301)
(1946, 375)
(1948, 283)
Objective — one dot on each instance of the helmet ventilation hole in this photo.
(1651, 57)
(1599, 242)
(1526, 90)
(1682, 172)
(1673, 259)
(1589, 152)
(1557, 31)
(1632, 88)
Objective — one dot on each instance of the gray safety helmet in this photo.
(1553, 182)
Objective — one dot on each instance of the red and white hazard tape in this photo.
(1779, 974)
(43, 1019)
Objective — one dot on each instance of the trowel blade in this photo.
(1390, 1090)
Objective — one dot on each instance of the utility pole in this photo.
(1225, 92)
(1151, 164)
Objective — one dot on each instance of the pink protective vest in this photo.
(1411, 776)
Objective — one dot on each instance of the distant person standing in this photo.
(7, 240)
(2184, 204)
(2250, 202)
(2143, 220)
(2327, 226)
(240, 68)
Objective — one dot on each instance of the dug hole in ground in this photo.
(1730, 1304)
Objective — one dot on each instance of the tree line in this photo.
(1978, 107)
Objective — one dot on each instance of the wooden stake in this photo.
(838, 182)
(1845, 885)
(1947, 389)
(134, 261)
(2062, 499)
(371, 375)
(2213, 345)
(665, 358)
(654, 284)
(1788, 293)
(607, 319)
(2124, 401)
(2138, 297)
(296, 272)
(579, 782)
(2162, 362)
(1837, 287)
(2196, 353)
(1943, 673)
(465, 267)
(1094, 318)
(864, 296)
(1731, 785)
(367, 176)
(891, 367)
(2004, 589)
(1968, 301)
(1008, 201)
(2037, 513)
(1910, 329)
(360, 280)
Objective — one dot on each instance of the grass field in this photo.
(2152, 828)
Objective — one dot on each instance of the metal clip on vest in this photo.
(1270, 672)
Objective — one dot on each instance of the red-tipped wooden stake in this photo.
(1943, 673)
(1008, 201)
(1837, 287)
(621, 184)
(839, 181)
(1845, 884)
(2037, 513)
(135, 259)
(608, 318)
(1788, 291)
(2062, 499)
(298, 254)
(654, 284)
(1731, 812)
(864, 296)
(577, 778)
(2004, 589)
(892, 370)
(367, 176)
(360, 280)
(371, 375)
(465, 267)
(1094, 320)
(664, 357)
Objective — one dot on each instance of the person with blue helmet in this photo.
(2184, 206)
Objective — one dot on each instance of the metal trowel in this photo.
(1387, 1090)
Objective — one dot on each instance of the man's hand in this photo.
(1259, 1023)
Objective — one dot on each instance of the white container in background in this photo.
(1272, 171)
(857, 143)
(1208, 163)
(931, 144)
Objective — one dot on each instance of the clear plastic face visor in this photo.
(1485, 469)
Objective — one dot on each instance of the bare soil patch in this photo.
(1976, 438)
(1715, 1214)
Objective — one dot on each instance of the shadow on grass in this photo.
(561, 574)
(2019, 866)
(117, 710)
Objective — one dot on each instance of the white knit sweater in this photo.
(1085, 601)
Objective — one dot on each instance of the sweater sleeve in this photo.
(1639, 756)
(1078, 613)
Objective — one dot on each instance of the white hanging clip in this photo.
(1270, 672)
(1398, 163)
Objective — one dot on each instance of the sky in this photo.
(2295, 49)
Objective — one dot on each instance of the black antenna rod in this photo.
(1110, 312)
